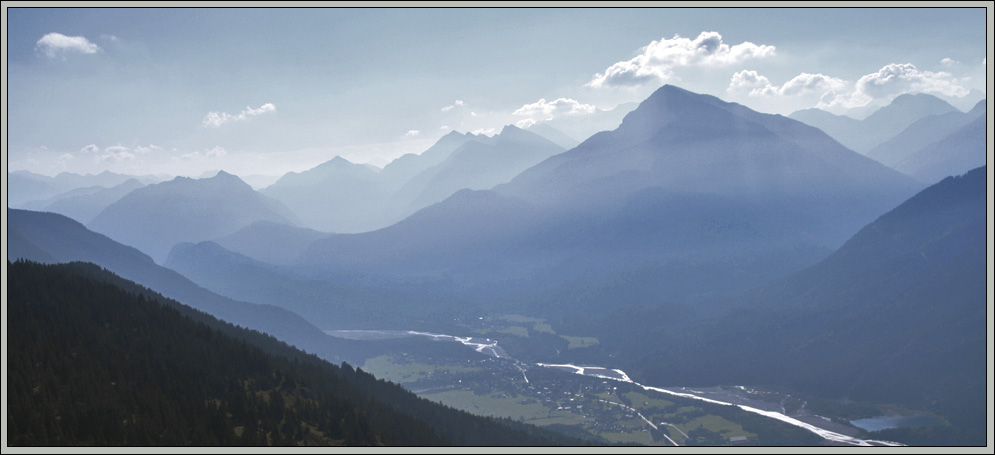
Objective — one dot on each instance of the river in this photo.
(489, 347)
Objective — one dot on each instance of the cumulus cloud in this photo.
(92, 148)
(217, 119)
(547, 110)
(948, 62)
(412, 133)
(55, 44)
(658, 60)
(543, 110)
(802, 84)
(892, 80)
(485, 131)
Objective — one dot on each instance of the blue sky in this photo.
(267, 91)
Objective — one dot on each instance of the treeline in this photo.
(94, 360)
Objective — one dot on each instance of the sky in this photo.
(265, 91)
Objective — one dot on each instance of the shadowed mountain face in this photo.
(897, 313)
(156, 217)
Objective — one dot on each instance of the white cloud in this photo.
(525, 123)
(543, 110)
(948, 62)
(92, 148)
(485, 131)
(217, 119)
(756, 83)
(892, 80)
(658, 60)
(802, 84)
(457, 103)
(412, 133)
(55, 44)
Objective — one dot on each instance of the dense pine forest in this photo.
(96, 360)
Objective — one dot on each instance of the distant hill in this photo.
(960, 150)
(923, 132)
(335, 196)
(83, 204)
(24, 186)
(156, 217)
(863, 135)
(271, 242)
(556, 136)
(475, 165)
(97, 362)
(343, 197)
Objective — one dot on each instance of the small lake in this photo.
(895, 421)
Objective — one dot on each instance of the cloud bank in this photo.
(543, 110)
(658, 60)
(837, 94)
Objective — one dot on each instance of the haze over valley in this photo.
(688, 244)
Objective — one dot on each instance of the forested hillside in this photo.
(96, 360)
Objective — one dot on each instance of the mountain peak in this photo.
(225, 178)
(919, 102)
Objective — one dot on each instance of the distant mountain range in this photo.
(24, 187)
(701, 242)
(863, 135)
(83, 204)
(343, 197)
(923, 132)
(965, 148)
(156, 217)
(709, 196)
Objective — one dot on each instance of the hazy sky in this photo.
(267, 91)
